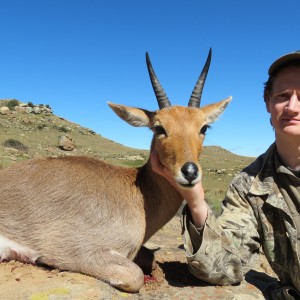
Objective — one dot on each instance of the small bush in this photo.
(12, 103)
(42, 127)
(61, 128)
(11, 143)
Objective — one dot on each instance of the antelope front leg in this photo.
(106, 265)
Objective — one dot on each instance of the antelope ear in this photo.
(213, 111)
(134, 116)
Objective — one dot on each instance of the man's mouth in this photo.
(290, 120)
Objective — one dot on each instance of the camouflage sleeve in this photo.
(227, 246)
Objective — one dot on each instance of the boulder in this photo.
(66, 142)
(4, 110)
(37, 110)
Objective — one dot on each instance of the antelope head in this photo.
(178, 131)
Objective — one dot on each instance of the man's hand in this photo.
(194, 196)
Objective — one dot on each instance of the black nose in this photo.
(190, 171)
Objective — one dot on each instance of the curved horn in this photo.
(160, 94)
(197, 92)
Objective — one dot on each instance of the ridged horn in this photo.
(197, 92)
(160, 94)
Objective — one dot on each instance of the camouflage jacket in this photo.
(254, 215)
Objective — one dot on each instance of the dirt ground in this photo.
(172, 279)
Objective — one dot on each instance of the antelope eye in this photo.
(158, 130)
(204, 129)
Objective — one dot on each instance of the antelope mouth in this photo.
(183, 183)
(186, 185)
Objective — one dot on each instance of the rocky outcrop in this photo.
(34, 109)
(8, 106)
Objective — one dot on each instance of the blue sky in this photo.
(76, 55)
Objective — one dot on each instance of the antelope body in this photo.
(84, 215)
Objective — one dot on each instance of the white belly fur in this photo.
(10, 250)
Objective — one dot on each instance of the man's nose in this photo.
(294, 102)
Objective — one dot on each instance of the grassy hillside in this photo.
(219, 167)
(26, 135)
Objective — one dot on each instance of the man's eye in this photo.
(158, 130)
(204, 129)
(282, 97)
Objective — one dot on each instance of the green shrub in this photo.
(11, 143)
(42, 127)
(61, 128)
(12, 103)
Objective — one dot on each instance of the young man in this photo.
(262, 204)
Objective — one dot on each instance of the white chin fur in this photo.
(183, 183)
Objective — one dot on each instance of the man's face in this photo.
(284, 103)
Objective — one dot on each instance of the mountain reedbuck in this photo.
(84, 215)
